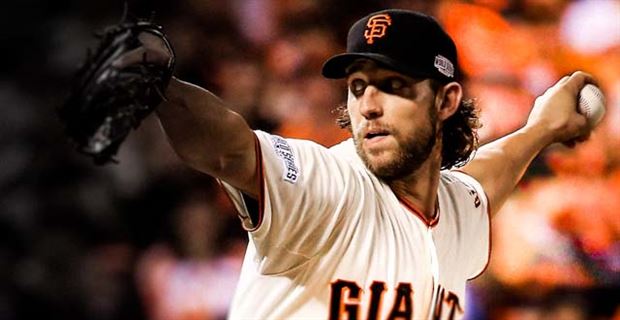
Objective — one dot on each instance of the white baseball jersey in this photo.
(329, 240)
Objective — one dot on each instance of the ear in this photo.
(448, 100)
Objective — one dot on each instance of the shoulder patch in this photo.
(284, 151)
(470, 189)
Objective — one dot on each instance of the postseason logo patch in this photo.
(283, 150)
(444, 66)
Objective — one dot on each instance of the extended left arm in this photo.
(500, 165)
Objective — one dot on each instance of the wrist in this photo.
(540, 133)
(174, 91)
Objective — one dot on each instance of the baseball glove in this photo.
(118, 85)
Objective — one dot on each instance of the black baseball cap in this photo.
(408, 42)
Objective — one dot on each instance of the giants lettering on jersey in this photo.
(450, 301)
(346, 296)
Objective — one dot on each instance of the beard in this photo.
(412, 151)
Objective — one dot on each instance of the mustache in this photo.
(372, 126)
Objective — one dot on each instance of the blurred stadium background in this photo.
(149, 239)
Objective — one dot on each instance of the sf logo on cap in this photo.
(376, 27)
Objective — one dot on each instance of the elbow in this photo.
(221, 167)
(201, 162)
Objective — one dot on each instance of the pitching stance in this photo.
(382, 225)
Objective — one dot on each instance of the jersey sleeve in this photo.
(301, 204)
(477, 223)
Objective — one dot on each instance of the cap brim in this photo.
(336, 66)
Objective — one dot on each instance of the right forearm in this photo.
(206, 134)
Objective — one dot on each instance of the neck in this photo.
(420, 187)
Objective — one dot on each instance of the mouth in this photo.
(375, 134)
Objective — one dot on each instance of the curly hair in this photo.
(459, 132)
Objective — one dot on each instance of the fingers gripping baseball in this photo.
(556, 111)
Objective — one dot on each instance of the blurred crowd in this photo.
(148, 238)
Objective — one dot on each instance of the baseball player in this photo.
(379, 226)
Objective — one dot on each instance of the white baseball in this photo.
(591, 104)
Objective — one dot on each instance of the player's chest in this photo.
(391, 269)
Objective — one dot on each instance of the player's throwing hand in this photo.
(555, 112)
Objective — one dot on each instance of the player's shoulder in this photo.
(342, 154)
(274, 138)
(284, 144)
(346, 150)
(458, 185)
(456, 177)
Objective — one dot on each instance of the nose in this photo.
(370, 107)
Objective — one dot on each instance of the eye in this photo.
(396, 83)
(357, 87)
(397, 86)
